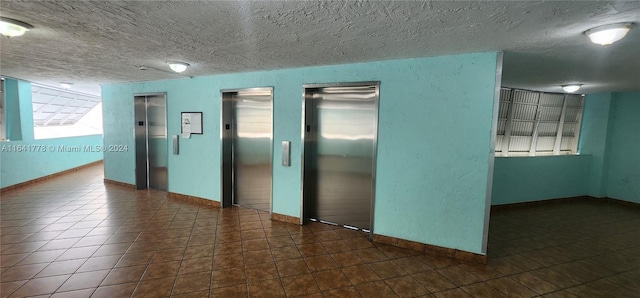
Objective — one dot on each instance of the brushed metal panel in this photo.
(341, 125)
(286, 153)
(150, 133)
(157, 141)
(226, 140)
(246, 147)
(176, 144)
(140, 135)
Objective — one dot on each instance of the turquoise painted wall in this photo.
(526, 179)
(435, 118)
(42, 157)
(17, 96)
(622, 159)
(535, 178)
(608, 164)
(19, 167)
(593, 136)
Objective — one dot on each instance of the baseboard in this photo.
(539, 203)
(194, 199)
(47, 177)
(432, 249)
(622, 202)
(113, 182)
(564, 200)
(285, 218)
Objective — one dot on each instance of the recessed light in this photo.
(608, 34)
(11, 28)
(66, 85)
(571, 87)
(178, 66)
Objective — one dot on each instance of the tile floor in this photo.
(73, 236)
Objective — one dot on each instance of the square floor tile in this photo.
(300, 285)
(266, 288)
(192, 283)
(84, 280)
(123, 275)
(62, 267)
(39, 286)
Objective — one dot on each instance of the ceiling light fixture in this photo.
(608, 34)
(10, 27)
(177, 66)
(66, 85)
(571, 87)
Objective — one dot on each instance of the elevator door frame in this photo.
(227, 198)
(146, 185)
(305, 98)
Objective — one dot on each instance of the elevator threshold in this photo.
(339, 225)
(249, 207)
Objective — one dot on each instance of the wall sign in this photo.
(191, 123)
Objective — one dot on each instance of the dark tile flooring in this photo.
(73, 236)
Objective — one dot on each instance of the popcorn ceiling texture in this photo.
(97, 42)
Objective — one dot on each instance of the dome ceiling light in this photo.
(608, 34)
(11, 28)
(571, 87)
(178, 66)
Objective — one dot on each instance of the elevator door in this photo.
(247, 135)
(339, 154)
(151, 141)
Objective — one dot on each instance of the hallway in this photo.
(73, 236)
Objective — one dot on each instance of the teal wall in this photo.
(435, 118)
(17, 107)
(608, 164)
(594, 127)
(17, 167)
(535, 178)
(623, 148)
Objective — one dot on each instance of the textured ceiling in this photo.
(96, 42)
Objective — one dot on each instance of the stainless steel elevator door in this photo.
(140, 124)
(342, 136)
(157, 141)
(252, 132)
(151, 141)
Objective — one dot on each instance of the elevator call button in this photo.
(286, 155)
